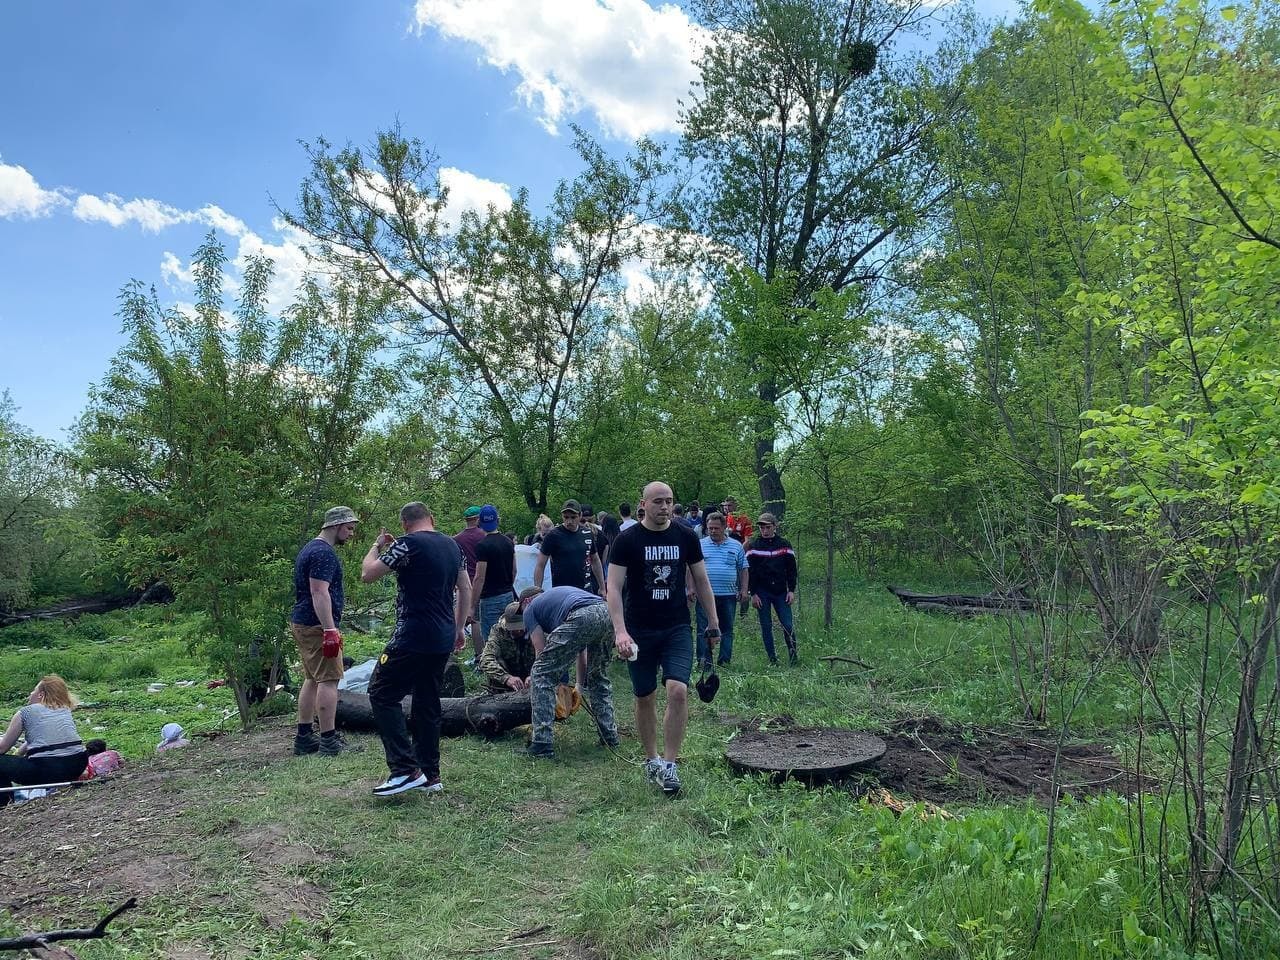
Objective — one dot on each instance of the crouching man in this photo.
(561, 623)
(507, 657)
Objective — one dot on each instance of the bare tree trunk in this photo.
(1241, 768)
(829, 585)
(772, 494)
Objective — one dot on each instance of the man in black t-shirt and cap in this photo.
(573, 549)
(649, 561)
(493, 580)
(433, 596)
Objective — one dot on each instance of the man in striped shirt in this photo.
(726, 563)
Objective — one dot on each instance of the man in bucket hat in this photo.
(507, 660)
(317, 611)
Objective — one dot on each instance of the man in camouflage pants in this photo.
(561, 623)
(507, 658)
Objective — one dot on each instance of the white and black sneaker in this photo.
(400, 783)
(432, 785)
(654, 770)
(670, 780)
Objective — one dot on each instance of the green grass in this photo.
(734, 867)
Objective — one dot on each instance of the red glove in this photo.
(332, 643)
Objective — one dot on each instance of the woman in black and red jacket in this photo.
(772, 562)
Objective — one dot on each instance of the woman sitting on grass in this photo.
(54, 752)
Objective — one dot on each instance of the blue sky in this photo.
(130, 129)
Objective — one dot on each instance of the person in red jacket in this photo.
(771, 561)
(736, 525)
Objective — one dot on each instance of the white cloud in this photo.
(22, 196)
(219, 219)
(287, 251)
(174, 273)
(623, 60)
(469, 192)
(289, 255)
(151, 215)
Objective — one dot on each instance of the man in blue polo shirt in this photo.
(726, 563)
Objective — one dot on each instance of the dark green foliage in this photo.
(216, 441)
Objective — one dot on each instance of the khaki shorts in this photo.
(315, 665)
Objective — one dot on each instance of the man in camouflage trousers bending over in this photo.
(561, 622)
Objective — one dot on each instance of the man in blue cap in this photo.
(494, 578)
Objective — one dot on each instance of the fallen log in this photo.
(488, 714)
(964, 605)
(156, 593)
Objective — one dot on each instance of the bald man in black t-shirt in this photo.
(649, 561)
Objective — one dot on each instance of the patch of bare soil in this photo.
(931, 760)
(66, 855)
(544, 811)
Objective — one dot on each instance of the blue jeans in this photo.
(775, 601)
(490, 612)
(726, 612)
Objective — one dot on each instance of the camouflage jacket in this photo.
(505, 655)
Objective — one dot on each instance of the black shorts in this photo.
(671, 647)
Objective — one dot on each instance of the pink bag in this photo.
(100, 764)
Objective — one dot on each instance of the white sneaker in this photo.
(400, 783)
(432, 785)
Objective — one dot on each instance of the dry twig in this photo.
(34, 940)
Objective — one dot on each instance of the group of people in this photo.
(614, 593)
(659, 564)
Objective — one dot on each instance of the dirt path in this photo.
(124, 836)
(167, 831)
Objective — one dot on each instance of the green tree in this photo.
(1190, 469)
(38, 499)
(510, 303)
(663, 402)
(812, 129)
(213, 437)
(1019, 232)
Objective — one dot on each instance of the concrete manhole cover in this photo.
(816, 753)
